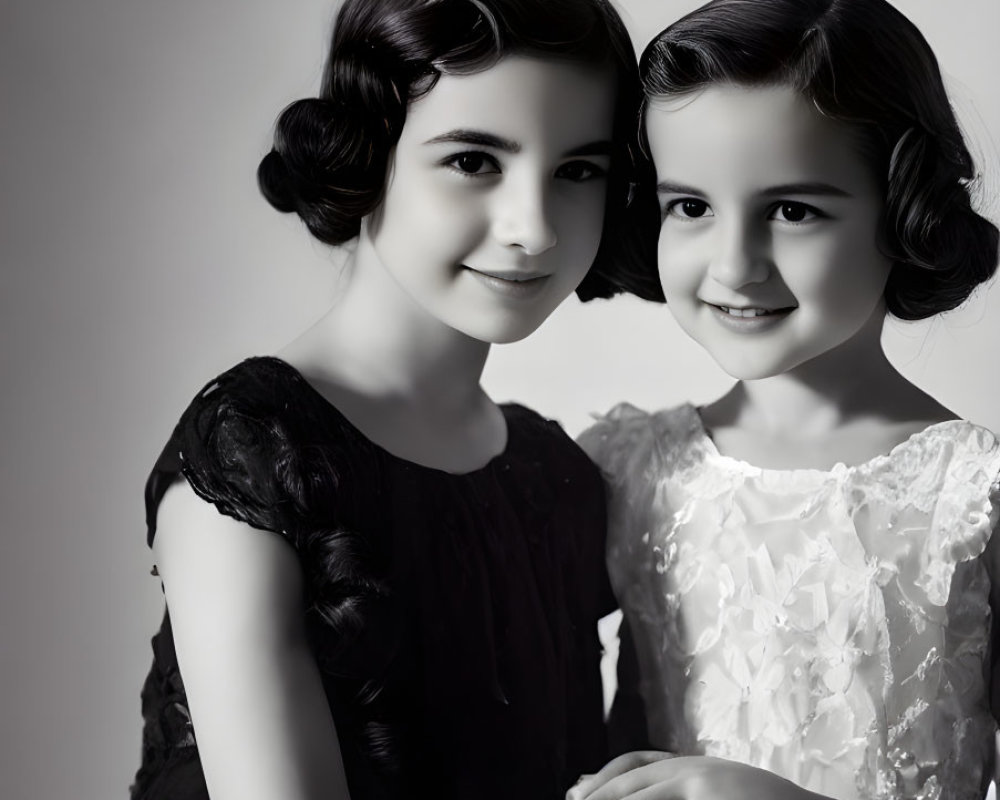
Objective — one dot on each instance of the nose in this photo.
(523, 217)
(741, 255)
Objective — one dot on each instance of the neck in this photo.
(378, 341)
(851, 381)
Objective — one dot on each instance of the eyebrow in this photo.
(814, 188)
(601, 148)
(665, 187)
(478, 138)
(484, 139)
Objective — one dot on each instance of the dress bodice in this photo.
(830, 626)
(453, 617)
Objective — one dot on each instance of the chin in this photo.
(502, 333)
(750, 369)
(744, 373)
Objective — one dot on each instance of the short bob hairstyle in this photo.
(330, 155)
(864, 63)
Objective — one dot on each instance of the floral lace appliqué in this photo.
(831, 626)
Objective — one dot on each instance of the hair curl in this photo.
(864, 63)
(330, 154)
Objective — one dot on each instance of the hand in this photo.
(664, 776)
(584, 788)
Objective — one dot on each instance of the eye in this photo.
(795, 213)
(688, 208)
(473, 163)
(580, 171)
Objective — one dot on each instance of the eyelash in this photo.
(592, 171)
(452, 162)
(671, 206)
(811, 212)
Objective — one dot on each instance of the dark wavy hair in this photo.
(330, 153)
(861, 62)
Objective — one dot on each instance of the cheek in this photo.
(859, 284)
(842, 270)
(679, 266)
(428, 217)
(438, 206)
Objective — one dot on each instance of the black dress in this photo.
(453, 616)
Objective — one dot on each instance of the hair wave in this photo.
(330, 155)
(864, 63)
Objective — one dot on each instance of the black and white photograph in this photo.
(535, 399)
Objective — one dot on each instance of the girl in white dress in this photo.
(804, 565)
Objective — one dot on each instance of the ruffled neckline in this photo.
(701, 432)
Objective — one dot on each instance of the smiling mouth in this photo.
(510, 277)
(750, 319)
(749, 313)
(515, 285)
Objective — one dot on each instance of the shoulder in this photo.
(972, 480)
(521, 419)
(627, 435)
(262, 453)
(259, 444)
(976, 441)
(542, 460)
(950, 471)
(962, 456)
(537, 437)
(253, 397)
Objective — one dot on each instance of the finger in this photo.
(655, 780)
(662, 790)
(589, 784)
(617, 766)
(573, 793)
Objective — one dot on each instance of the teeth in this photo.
(745, 312)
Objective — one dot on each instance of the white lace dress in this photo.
(829, 626)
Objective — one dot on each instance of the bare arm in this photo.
(260, 714)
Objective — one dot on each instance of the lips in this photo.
(749, 319)
(510, 283)
(747, 313)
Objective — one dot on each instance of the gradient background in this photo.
(138, 260)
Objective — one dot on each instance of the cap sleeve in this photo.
(965, 509)
(261, 445)
(239, 446)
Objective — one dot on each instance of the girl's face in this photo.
(768, 249)
(495, 195)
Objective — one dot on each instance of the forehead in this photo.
(521, 97)
(750, 136)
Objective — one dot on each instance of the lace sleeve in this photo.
(620, 441)
(991, 560)
(260, 445)
(965, 512)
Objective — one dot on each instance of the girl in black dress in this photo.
(380, 583)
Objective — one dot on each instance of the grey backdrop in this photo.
(138, 260)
